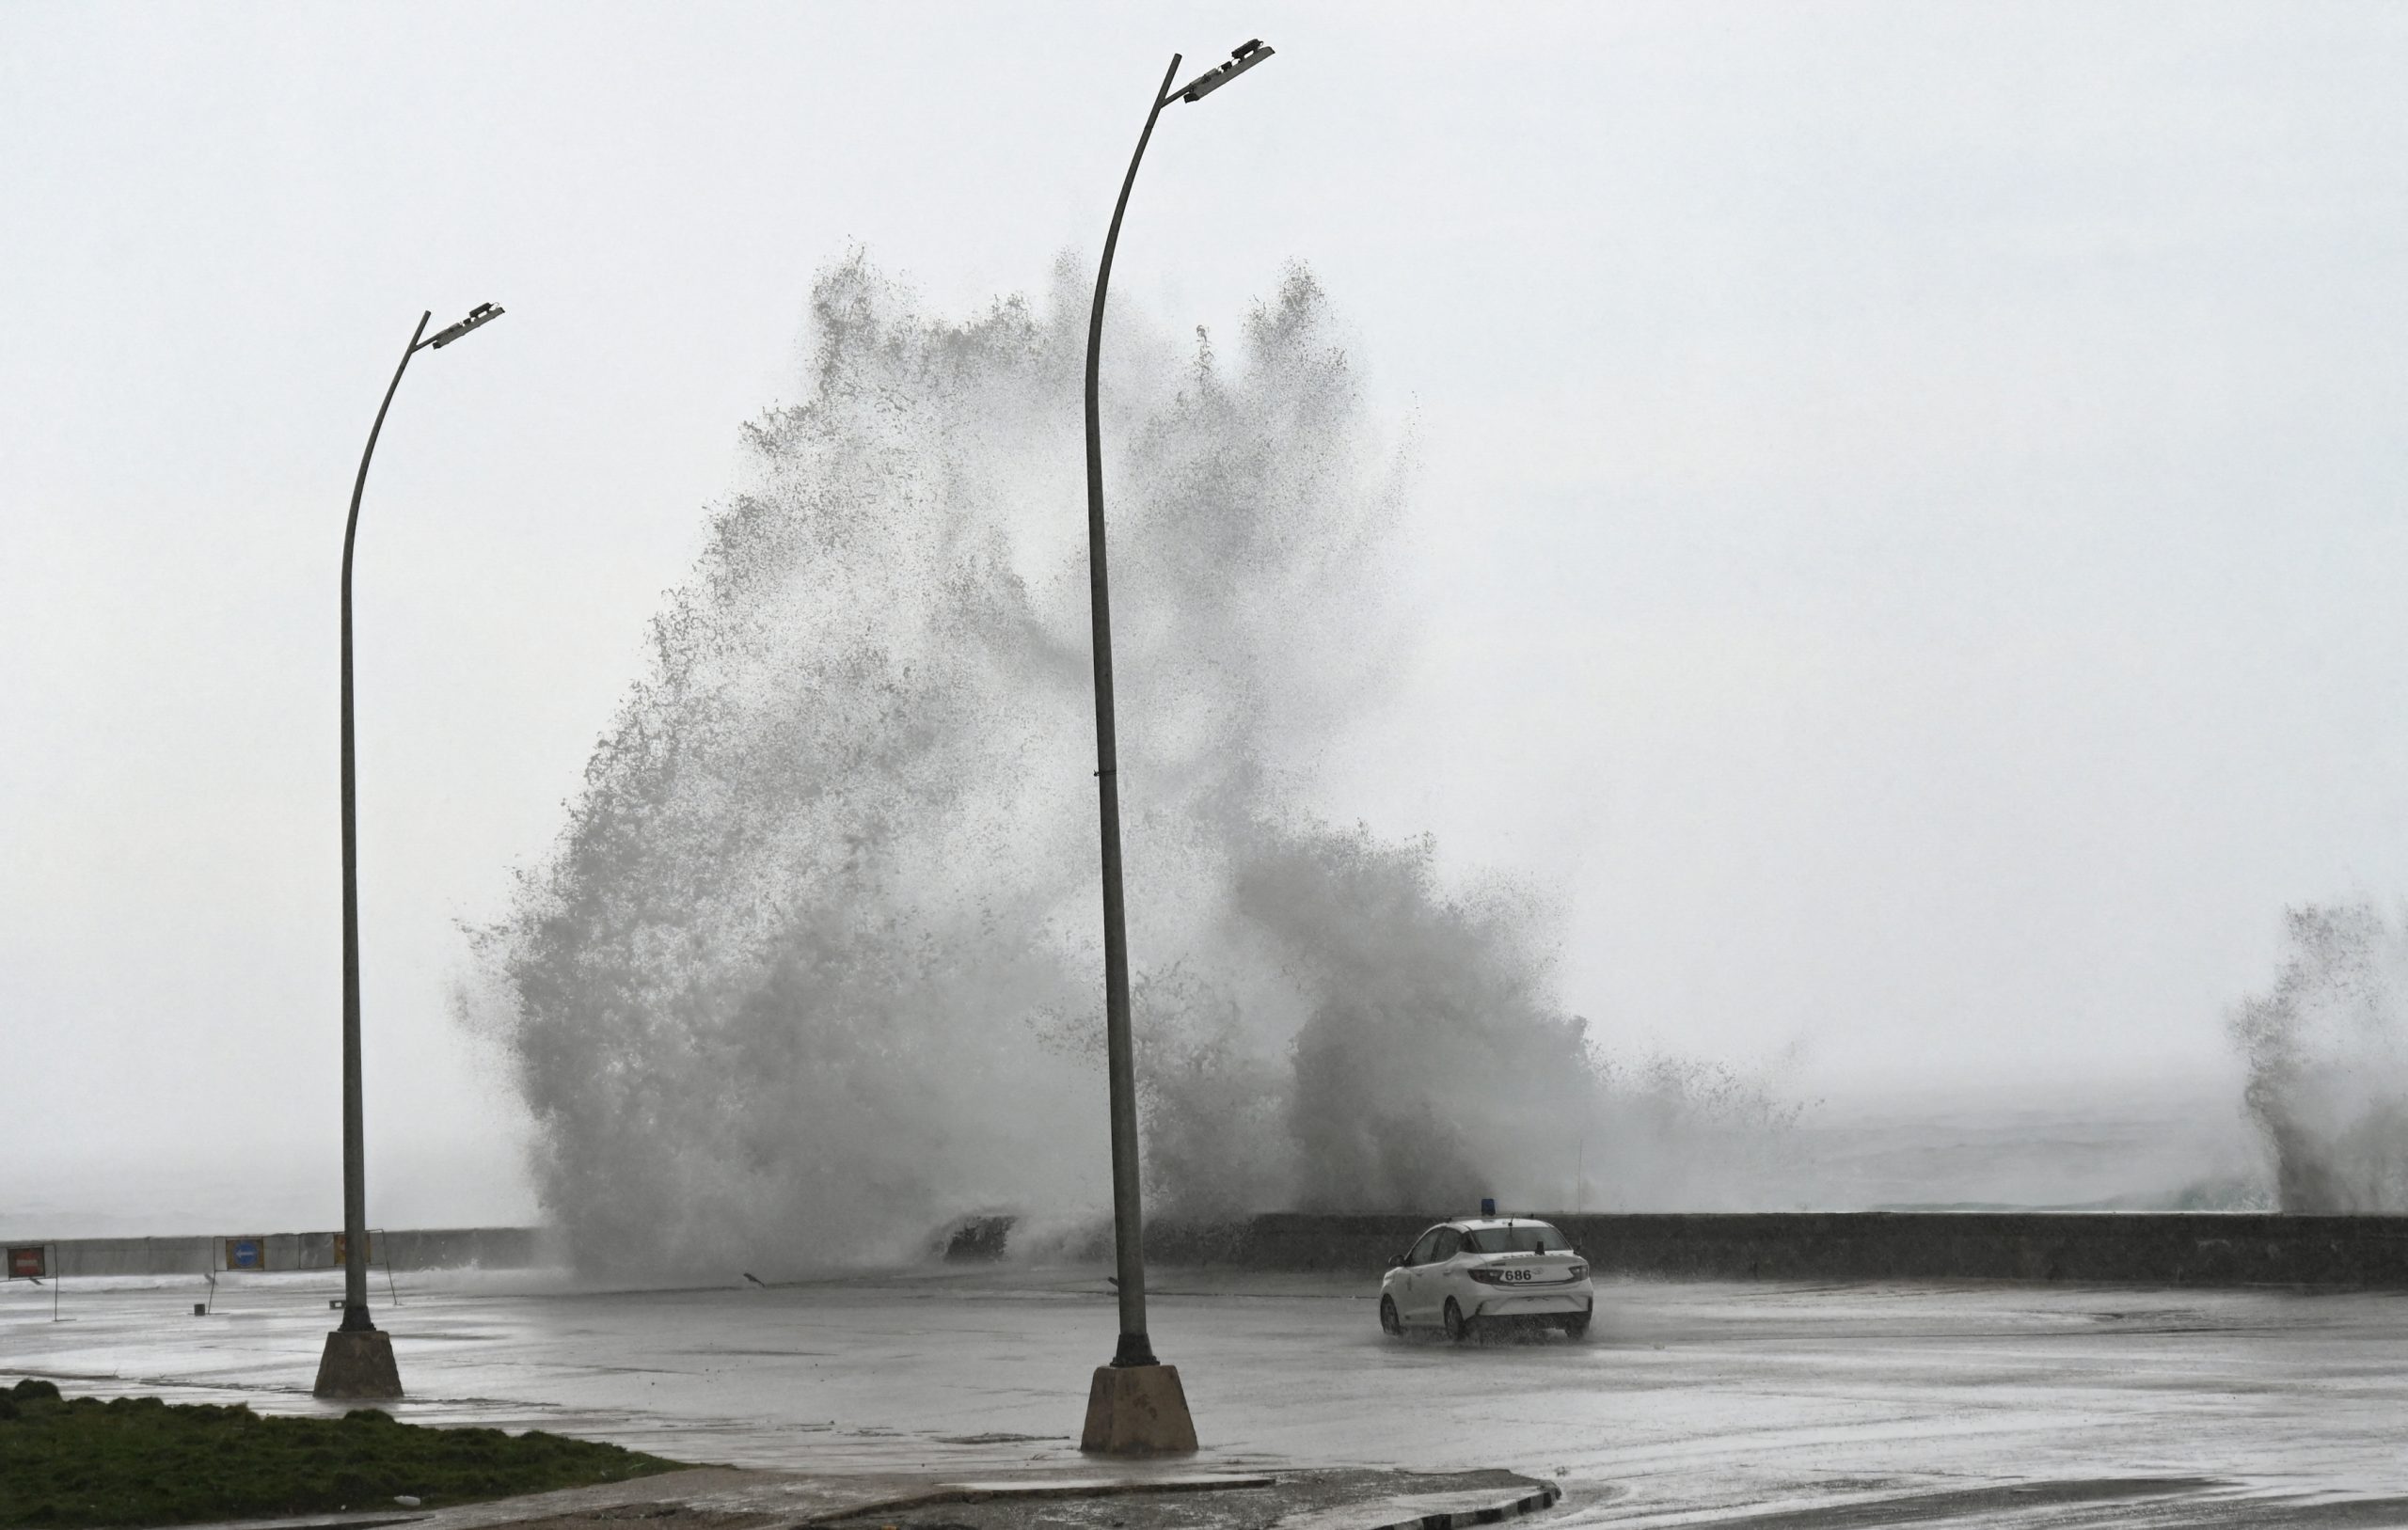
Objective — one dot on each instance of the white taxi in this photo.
(1460, 1275)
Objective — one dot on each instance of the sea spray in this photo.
(2327, 1053)
(814, 966)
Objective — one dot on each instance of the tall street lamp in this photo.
(359, 1358)
(1136, 1405)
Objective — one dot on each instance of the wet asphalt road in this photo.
(1776, 1405)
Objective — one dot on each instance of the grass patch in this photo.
(137, 1460)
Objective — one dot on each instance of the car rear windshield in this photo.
(1528, 1238)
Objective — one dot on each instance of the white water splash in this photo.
(2327, 1050)
(816, 965)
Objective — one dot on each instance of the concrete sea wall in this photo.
(2168, 1247)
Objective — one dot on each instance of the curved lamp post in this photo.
(1136, 1405)
(358, 1359)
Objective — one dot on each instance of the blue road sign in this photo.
(246, 1253)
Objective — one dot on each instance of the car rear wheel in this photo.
(1458, 1326)
(1576, 1326)
(1389, 1322)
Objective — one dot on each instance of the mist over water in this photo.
(817, 963)
(2327, 1052)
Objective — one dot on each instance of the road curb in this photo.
(981, 1492)
(1546, 1497)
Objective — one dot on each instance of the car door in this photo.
(1434, 1277)
(1411, 1305)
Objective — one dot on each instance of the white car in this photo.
(1485, 1270)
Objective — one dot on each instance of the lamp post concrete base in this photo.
(358, 1363)
(1138, 1411)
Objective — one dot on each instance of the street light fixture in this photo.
(1136, 1405)
(1242, 57)
(483, 313)
(359, 1358)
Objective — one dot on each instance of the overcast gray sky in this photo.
(1909, 508)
